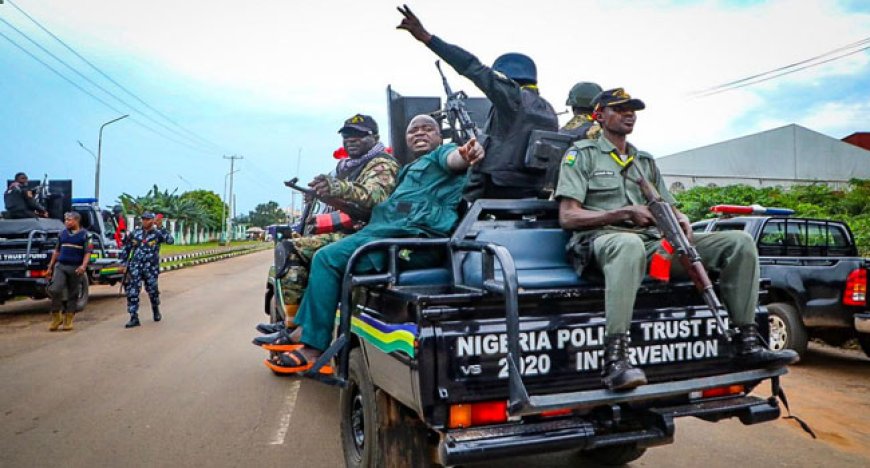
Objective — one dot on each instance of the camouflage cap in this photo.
(148, 215)
(360, 123)
(617, 97)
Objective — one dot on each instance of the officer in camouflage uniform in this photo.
(140, 260)
(615, 234)
(367, 177)
(582, 125)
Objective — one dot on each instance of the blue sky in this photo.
(264, 81)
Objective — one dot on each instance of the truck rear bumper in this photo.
(862, 323)
(479, 444)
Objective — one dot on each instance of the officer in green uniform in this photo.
(615, 234)
(582, 125)
(423, 205)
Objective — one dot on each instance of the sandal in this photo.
(279, 341)
(294, 362)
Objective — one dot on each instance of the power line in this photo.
(788, 72)
(106, 76)
(97, 85)
(786, 69)
(95, 97)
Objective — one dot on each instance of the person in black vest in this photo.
(19, 201)
(65, 269)
(517, 109)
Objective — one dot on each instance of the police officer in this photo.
(366, 177)
(19, 201)
(66, 271)
(517, 109)
(423, 205)
(614, 232)
(141, 263)
(582, 125)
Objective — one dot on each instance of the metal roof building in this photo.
(780, 157)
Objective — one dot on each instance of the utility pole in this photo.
(229, 223)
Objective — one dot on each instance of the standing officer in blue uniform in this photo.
(141, 262)
(517, 109)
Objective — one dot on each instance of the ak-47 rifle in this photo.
(460, 122)
(666, 221)
(352, 209)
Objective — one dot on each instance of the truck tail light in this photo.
(856, 288)
(718, 392)
(36, 273)
(478, 414)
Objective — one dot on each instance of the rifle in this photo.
(666, 221)
(127, 270)
(460, 122)
(354, 210)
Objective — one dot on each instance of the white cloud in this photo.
(309, 57)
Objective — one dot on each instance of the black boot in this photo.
(751, 354)
(156, 311)
(134, 321)
(619, 374)
(268, 328)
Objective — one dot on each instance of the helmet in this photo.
(517, 67)
(582, 93)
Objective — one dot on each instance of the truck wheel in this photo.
(359, 417)
(864, 341)
(615, 455)
(786, 328)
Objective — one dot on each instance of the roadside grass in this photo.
(167, 250)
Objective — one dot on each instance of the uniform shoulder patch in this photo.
(570, 157)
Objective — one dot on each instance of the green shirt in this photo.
(591, 175)
(424, 202)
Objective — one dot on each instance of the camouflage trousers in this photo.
(294, 283)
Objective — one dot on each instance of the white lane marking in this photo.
(289, 404)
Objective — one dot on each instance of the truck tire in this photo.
(786, 328)
(376, 430)
(615, 455)
(864, 341)
(359, 417)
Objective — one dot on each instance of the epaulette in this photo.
(585, 143)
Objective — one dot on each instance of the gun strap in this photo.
(778, 392)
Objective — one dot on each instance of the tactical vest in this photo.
(507, 136)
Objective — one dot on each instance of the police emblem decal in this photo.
(570, 158)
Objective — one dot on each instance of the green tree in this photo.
(169, 204)
(211, 202)
(851, 205)
(265, 214)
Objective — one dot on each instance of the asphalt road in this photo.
(192, 391)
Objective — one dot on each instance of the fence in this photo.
(193, 233)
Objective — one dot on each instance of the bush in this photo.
(851, 205)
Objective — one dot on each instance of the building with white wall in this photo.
(783, 156)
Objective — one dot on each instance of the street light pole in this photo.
(100, 153)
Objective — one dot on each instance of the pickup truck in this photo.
(26, 246)
(818, 281)
(496, 352)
